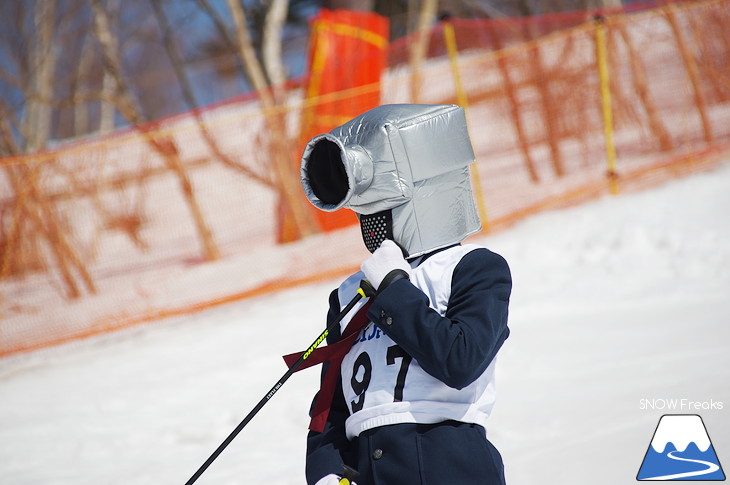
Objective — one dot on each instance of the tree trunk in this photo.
(641, 86)
(189, 96)
(288, 178)
(107, 111)
(81, 110)
(35, 219)
(32, 207)
(359, 5)
(514, 104)
(540, 80)
(271, 46)
(39, 111)
(690, 63)
(418, 48)
(166, 147)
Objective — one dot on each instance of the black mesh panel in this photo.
(376, 228)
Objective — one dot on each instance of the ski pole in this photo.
(365, 290)
(348, 476)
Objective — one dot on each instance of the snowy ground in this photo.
(616, 304)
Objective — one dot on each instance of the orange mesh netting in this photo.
(182, 214)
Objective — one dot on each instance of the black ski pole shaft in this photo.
(365, 290)
(348, 476)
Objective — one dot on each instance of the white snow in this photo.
(616, 302)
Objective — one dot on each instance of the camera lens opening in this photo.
(326, 172)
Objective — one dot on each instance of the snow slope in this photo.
(617, 303)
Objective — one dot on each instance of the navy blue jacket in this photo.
(456, 349)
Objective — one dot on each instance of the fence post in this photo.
(604, 80)
(461, 100)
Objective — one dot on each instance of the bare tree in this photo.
(271, 46)
(359, 5)
(164, 147)
(279, 140)
(33, 221)
(38, 119)
(418, 48)
(190, 98)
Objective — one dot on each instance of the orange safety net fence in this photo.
(182, 214)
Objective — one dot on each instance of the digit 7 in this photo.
(396, 352)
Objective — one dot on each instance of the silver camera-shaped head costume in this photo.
(404, 169)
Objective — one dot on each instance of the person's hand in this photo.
(385, 266)
(333, 479)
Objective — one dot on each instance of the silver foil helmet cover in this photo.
(409, 162)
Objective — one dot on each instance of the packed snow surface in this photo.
(620, 313)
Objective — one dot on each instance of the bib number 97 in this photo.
(363, 367)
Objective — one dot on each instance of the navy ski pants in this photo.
(447, 453)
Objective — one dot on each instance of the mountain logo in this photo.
(681, 450)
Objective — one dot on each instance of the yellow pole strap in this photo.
(602, 58)
(461, 100)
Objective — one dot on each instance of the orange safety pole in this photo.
(461, 100)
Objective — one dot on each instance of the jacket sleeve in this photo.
(329, 450)
(458, 347)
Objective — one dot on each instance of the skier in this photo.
(407, 401)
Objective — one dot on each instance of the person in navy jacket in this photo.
(412, 394)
